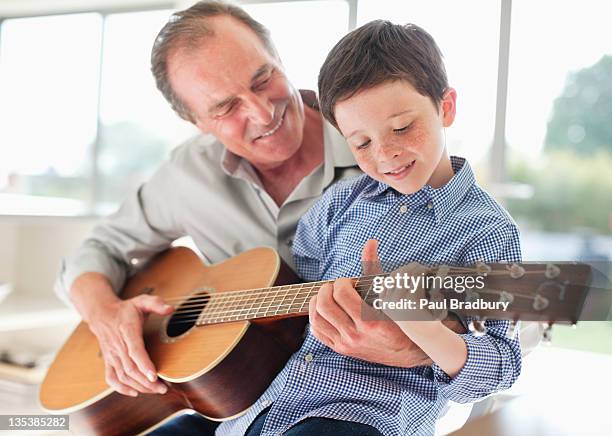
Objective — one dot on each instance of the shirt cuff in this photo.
(88, 260)
(480, 375)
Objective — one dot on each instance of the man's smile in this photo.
(275, 128)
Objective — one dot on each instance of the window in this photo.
(560, 140)
(137, 126)
(48, 104)
(319, 24)
(86, 121)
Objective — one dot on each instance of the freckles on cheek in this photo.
(419, 138)
(366, 162)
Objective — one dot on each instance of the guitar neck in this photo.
(534, 291)
(273, 302)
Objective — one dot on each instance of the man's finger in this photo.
(370, 262)
(136, 351)
(128, 372)
(135, 345)
(348, 299)
(319, 323)
(326, 340)
(152, 303)
(129, 381)
(328, 308)
(113, 381)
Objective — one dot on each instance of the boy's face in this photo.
(396, 134)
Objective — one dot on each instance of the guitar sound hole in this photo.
(186, 315)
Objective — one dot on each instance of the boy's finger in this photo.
(369, 258)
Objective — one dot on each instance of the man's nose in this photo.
(260, 109)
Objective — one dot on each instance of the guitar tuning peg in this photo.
(516, 271)
(506, 297)
(477, 328)
(552, 271)
(511, 332)
(540, 303)
(482, 268)
(551, 285)
(547, 334)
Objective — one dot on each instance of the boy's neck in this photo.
(443, 172)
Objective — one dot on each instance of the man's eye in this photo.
(261, 85)
(402, 129)
(225, 110)
(363, 144)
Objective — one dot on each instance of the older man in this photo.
(265, 154)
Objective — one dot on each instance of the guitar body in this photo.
(218, 370)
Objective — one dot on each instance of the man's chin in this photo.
(274, 158)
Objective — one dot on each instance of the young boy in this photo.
(384, 87)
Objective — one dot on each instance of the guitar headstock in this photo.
(543, 292)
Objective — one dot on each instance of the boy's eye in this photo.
(363, 144)
(402, 129)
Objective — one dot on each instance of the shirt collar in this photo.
(443, 200)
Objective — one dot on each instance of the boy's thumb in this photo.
(369, 258)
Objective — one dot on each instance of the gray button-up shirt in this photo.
(213, 196)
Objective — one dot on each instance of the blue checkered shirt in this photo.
(457, 224)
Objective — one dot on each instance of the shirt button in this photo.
(429, 205)
(266, 403)
(309, 357)
(403, 209)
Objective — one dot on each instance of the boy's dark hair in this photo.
(378, 52)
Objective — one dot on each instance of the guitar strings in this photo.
(272, 294)
(179, 319)
(452, 271)
(230, 295)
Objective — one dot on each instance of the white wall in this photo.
(31, 249)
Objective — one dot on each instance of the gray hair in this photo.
(185, 30)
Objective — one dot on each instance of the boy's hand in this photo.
(337, 320)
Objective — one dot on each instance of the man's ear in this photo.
(448, 106)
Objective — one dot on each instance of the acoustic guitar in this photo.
(235, 325)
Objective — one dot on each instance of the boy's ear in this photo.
(448, 106)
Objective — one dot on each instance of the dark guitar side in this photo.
(227, 390)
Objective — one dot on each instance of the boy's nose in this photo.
(387, 153)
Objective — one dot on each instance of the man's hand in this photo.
(117, 324)
(337, 319)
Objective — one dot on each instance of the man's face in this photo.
(396, 134)
(237, 91)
